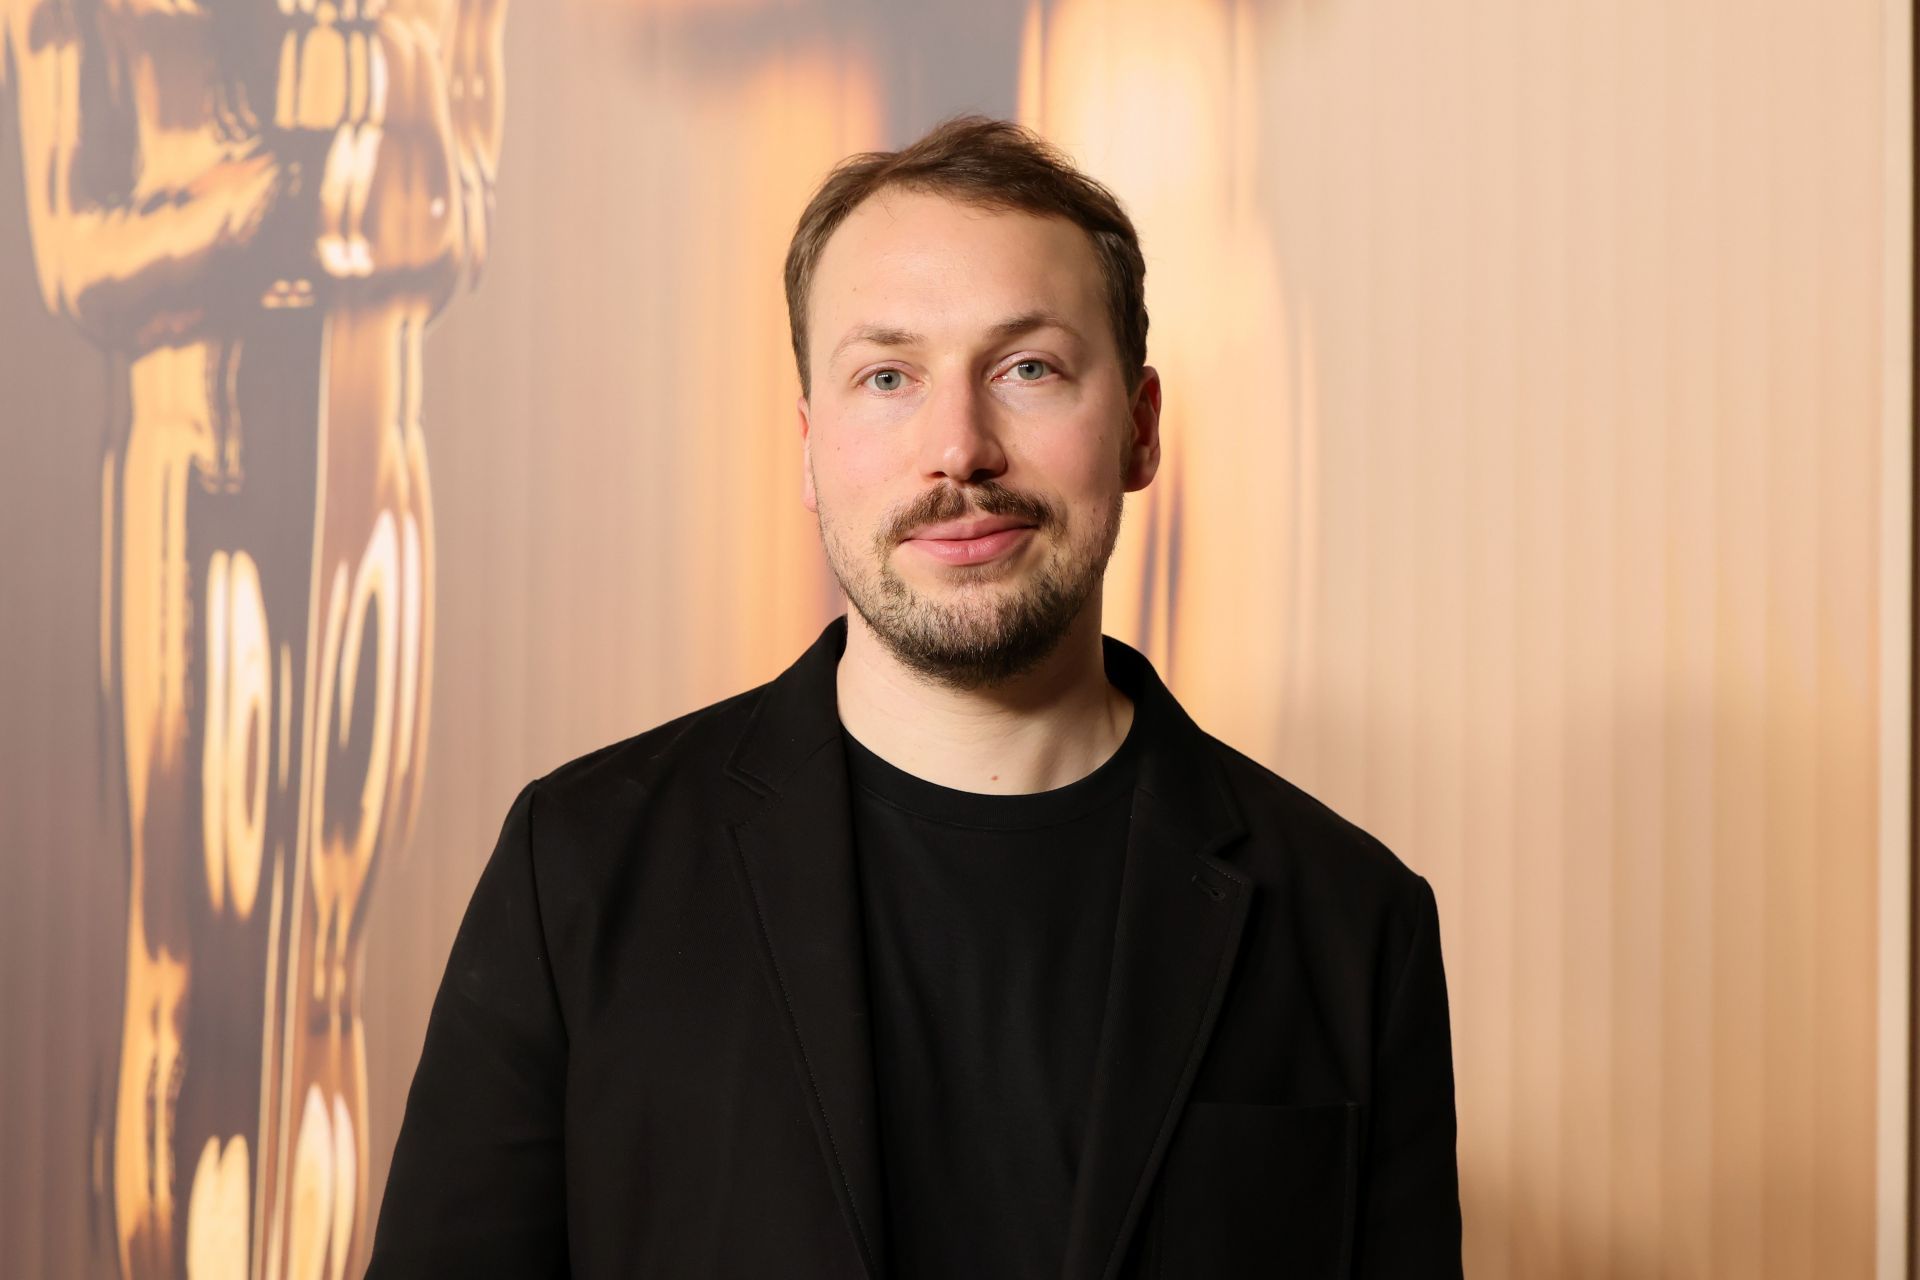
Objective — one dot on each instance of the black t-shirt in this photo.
(989, 932)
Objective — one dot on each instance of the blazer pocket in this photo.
(1258, 1189)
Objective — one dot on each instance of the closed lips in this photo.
(963, 530)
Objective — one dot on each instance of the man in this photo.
(957, 949)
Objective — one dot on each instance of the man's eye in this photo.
(878, 385)
(1039, 368)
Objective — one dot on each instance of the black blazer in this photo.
(649, 1055)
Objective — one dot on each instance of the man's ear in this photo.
(807, 498)
(1143, 446)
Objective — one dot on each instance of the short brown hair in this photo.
(994, 164)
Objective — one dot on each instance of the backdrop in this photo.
(399, 404)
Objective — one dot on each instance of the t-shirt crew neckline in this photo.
(893, 785)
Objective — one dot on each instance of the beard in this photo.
(986, 624)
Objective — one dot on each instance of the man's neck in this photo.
(1044, 729)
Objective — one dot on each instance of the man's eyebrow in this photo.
(879, 335)
(887, 336)
(1028, 321)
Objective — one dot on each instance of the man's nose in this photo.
(960, 439)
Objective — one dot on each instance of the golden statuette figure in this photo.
(255, 209)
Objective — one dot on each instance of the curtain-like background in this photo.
(1529, 368)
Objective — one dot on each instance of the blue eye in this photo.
(878, 374)
(1040, 365)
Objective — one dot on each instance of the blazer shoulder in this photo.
(696, 742)
(1318, 844)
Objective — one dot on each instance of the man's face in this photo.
(969, 434)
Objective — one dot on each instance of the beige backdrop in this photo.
(1535, 494)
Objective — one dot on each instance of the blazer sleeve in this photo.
(477, 1182)
(1409, 1222)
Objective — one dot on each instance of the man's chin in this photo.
(968, 648)
(945, 637)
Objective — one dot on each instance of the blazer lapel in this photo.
(796, 864)
(1175, 942)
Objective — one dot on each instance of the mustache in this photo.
(950, 502)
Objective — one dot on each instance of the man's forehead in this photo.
(907, 266)
(901, 223)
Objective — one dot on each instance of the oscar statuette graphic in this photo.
(255, 209)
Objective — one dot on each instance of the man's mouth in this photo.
(967, 543)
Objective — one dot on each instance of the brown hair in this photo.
(994, 164)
